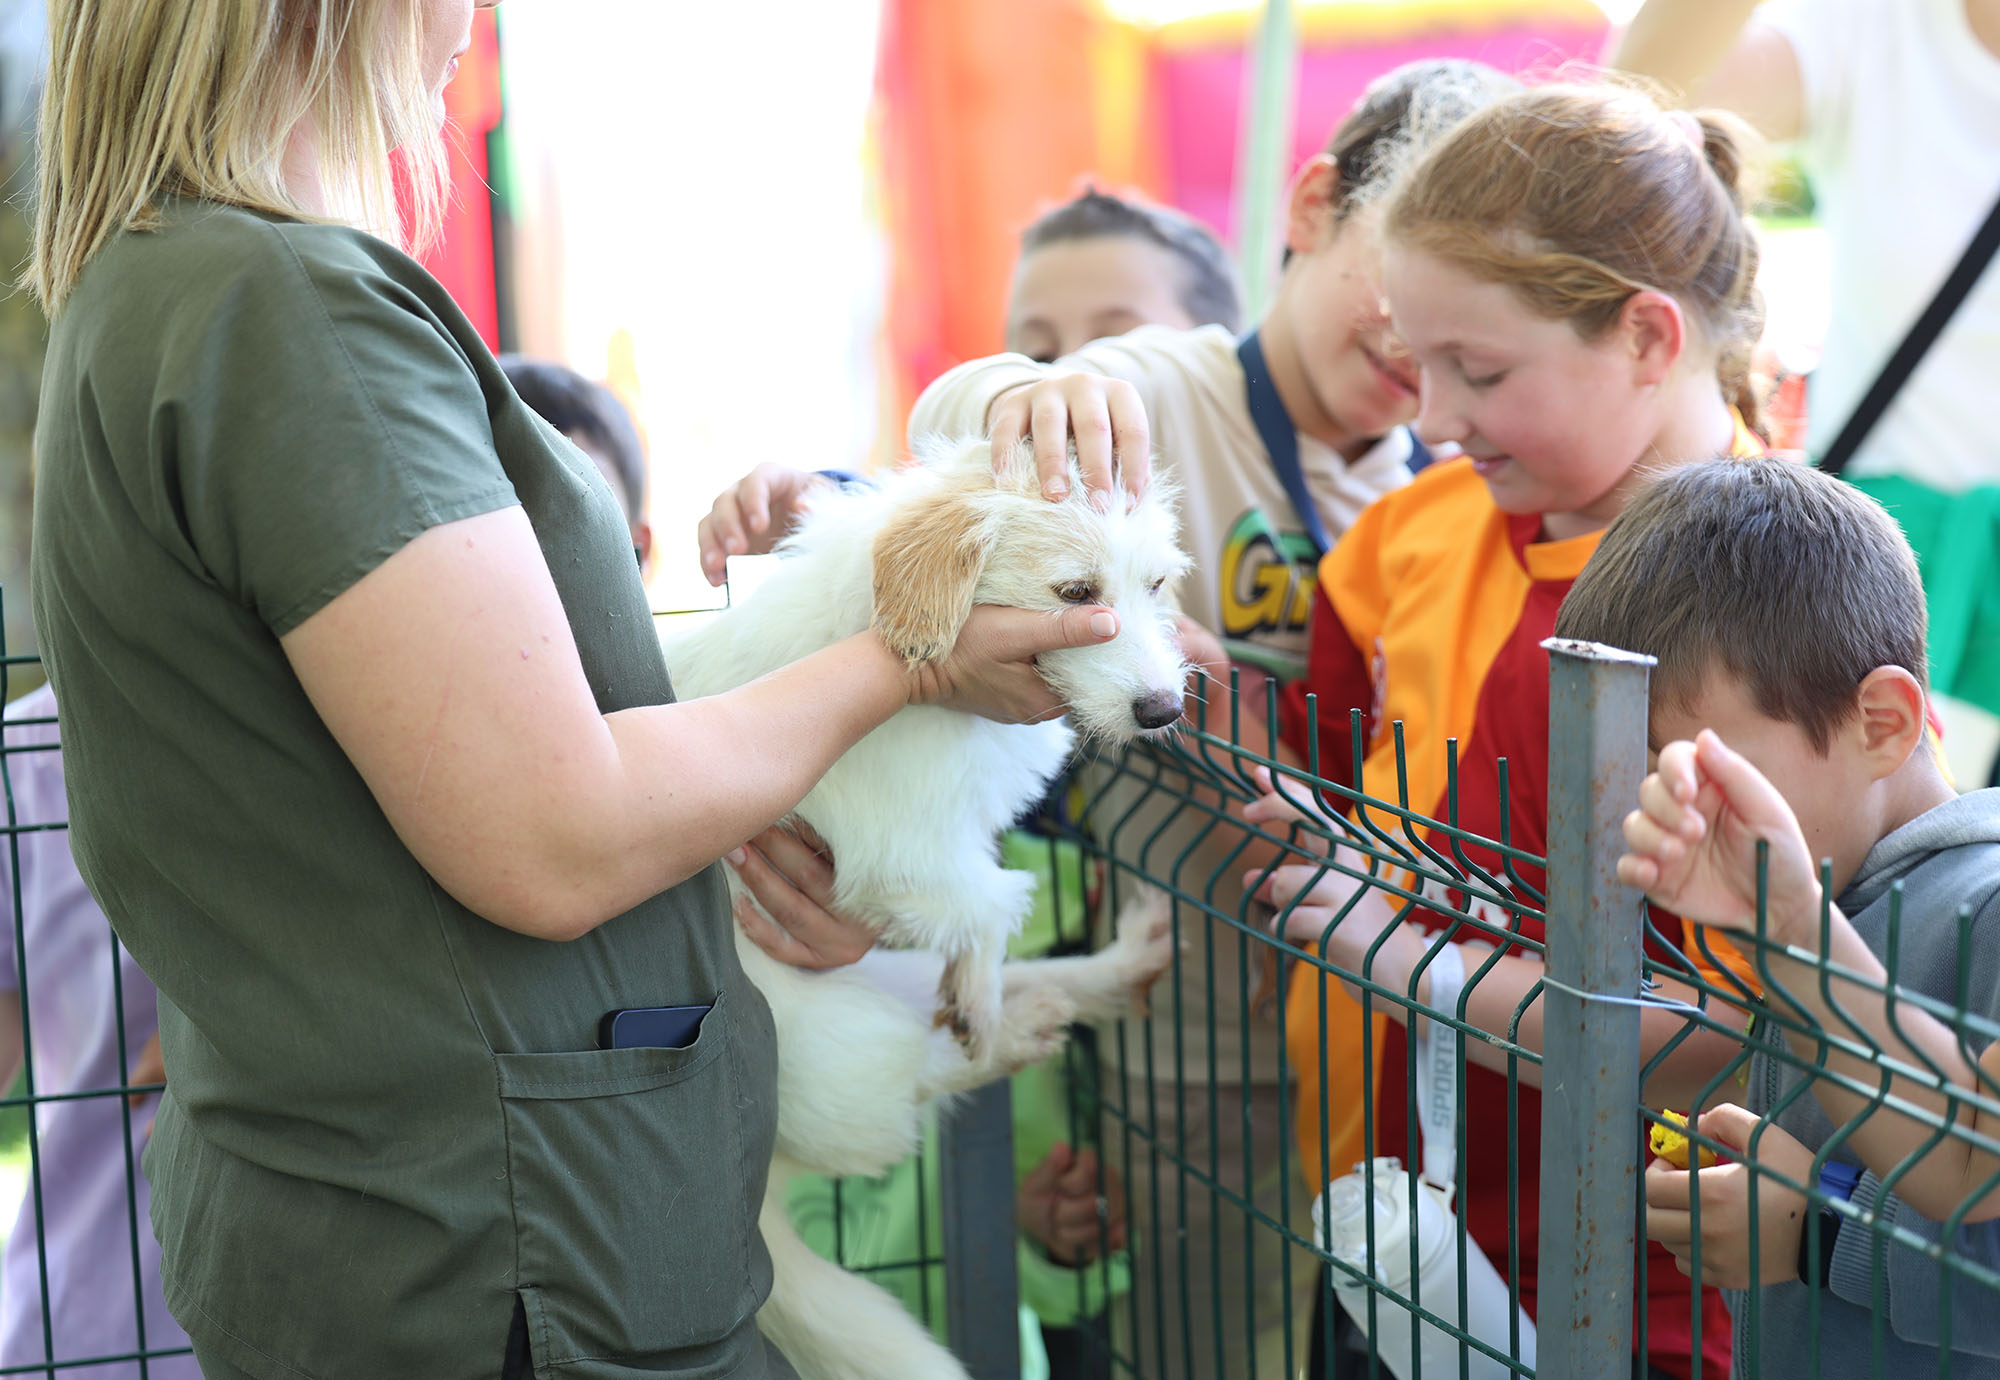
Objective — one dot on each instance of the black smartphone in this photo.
(657, 1027)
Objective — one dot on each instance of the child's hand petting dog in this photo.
(1295, 804)
(1105, 416)
(754, 514)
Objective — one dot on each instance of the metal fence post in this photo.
(1590, 1058)
(982, 1288)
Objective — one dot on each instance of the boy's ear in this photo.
(1309, 213)
(1890, 704)
(1655, 331)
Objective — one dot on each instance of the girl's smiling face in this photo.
(1351, 373)
(1555, 424)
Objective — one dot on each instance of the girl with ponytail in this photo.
(1573, 272)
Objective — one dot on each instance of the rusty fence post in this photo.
(1590, 1047)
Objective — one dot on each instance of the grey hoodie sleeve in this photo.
(1914, 1285)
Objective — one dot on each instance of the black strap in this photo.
(1280, 437)
(1957, 287)
(1420, 455)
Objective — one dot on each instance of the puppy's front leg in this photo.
(1113, 982)
(1034, 1022)
(969, 999)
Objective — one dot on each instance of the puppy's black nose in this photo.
(1157, 710)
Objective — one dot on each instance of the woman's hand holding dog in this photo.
(990, 671)
(790, 872)
(1114, 445)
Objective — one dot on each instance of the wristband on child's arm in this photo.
(1836, 1181)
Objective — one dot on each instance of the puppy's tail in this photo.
(833, 1325)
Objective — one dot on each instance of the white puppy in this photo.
(912, 815)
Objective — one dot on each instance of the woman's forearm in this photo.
(450, 678)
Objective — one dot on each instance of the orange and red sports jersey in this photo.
(1431, 612)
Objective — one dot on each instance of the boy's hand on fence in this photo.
(1725, 1259)
(1692, 843)
(1107, 418)
(754, 514)
(1064, 1209)
(791, 875)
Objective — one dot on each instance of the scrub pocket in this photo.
(632, 1190)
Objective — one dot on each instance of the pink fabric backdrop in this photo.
(1196, 86)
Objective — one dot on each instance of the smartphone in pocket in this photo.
(654, 1027)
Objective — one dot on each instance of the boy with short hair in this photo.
(1788, 619)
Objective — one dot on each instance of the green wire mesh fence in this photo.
(72, 961)
(1625, 1020)
(1231, 1269)
(1229, 1263)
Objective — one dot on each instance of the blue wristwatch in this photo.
(1836, 1182)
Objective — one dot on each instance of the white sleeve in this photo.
(1827, 38)
(956, 402)
(1152, 359)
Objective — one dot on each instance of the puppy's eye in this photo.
(1077, 592)
(1157, 585)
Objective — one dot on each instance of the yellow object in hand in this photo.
(1670, 1142)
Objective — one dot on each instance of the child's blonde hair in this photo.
(1579, 196)
(199, 98)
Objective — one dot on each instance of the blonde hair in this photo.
(199, 98)
(1576, 197)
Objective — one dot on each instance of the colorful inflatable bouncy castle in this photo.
(989, 114)
(462, 259)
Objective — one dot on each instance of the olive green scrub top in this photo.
(386, 1118)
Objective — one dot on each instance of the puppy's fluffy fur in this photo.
(913, 814)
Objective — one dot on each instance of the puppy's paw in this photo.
(1144, 946)
(1034, 1026)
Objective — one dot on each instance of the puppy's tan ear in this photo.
(927, 563)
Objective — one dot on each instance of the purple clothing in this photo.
(90, 1187)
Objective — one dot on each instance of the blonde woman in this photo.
(372, 757)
